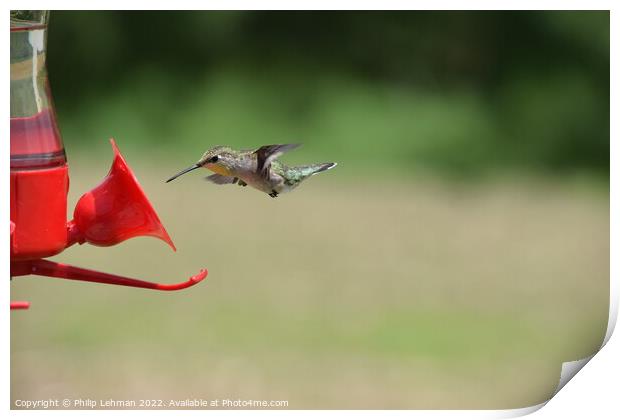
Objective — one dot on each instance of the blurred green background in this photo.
(454, 92)
(455, 257)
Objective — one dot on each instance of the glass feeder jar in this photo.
(39, 172)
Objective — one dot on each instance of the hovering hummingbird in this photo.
(257, 168)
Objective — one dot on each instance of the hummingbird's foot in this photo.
(242, 183)
(235, 179)
(273, 194)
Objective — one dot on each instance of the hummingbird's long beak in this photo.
(184, 171)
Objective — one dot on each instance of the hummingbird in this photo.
(258, 168)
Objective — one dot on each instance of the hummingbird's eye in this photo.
(215, 158)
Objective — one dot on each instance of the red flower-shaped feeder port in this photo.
(111, 213)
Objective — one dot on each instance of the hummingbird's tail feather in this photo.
(321, 167)
(299, 173)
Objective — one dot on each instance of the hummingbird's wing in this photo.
(267, 154)
(221, 179)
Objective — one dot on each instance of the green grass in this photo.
(343, 294)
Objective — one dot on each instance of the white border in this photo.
(596, 389)
(313, 5)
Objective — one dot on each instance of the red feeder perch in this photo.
(110, 213)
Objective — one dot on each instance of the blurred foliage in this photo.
(461, 93)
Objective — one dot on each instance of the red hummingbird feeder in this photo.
(110, 213)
